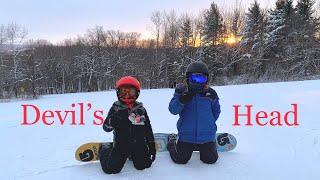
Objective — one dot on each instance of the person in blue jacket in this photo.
(198, 107)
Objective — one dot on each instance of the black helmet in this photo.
(197, 67)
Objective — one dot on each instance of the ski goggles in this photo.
(198, 78)
(127, 90)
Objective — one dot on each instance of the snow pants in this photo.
(181, 152)
(113, 159)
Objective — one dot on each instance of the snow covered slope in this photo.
(47, 152)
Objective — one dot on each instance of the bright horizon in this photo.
(55, 22)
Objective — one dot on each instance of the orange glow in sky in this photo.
(232, 39)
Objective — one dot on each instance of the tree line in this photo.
(239, 46)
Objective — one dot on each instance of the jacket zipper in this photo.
(130, 130)
(196, 136)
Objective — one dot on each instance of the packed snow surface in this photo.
(47, 152)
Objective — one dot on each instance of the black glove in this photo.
(186, 97)
(180, 88)
(152, 150)
(119, 120)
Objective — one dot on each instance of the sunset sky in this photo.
(55, 20)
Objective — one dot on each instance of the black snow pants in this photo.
(181, 152)
(113, 159)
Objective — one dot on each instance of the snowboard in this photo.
(90, 151)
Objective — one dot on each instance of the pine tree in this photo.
(185, 31)
(212, 25)
(308, 48)
(308, 24)
(304, 8)
(280, 28)
(236, 22)
(253, 33)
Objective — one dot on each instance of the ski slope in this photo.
(47, 152)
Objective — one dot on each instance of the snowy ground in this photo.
(42, 152)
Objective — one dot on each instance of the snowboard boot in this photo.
(104, 155)
(172, 141)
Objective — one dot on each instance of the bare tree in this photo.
(198, 26)
(171, 29)
(16, 35)
(3, 34)
(3, 39)
(156, 20)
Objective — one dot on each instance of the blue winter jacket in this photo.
(197, 122)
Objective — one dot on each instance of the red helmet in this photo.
(128, 80)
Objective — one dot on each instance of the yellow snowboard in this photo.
(88, 152)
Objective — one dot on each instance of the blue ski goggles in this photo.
(198, 78)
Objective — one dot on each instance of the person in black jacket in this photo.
(133, 135)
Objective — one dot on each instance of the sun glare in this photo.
(232, 39)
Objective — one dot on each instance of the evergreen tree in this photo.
(186, 31)
(307, 23)
(212, 25)
(280, 28)
(236, 22)
(307, 45)
(253, 33)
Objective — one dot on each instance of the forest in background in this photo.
(240, 46)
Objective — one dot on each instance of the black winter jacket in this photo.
(128, 133)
